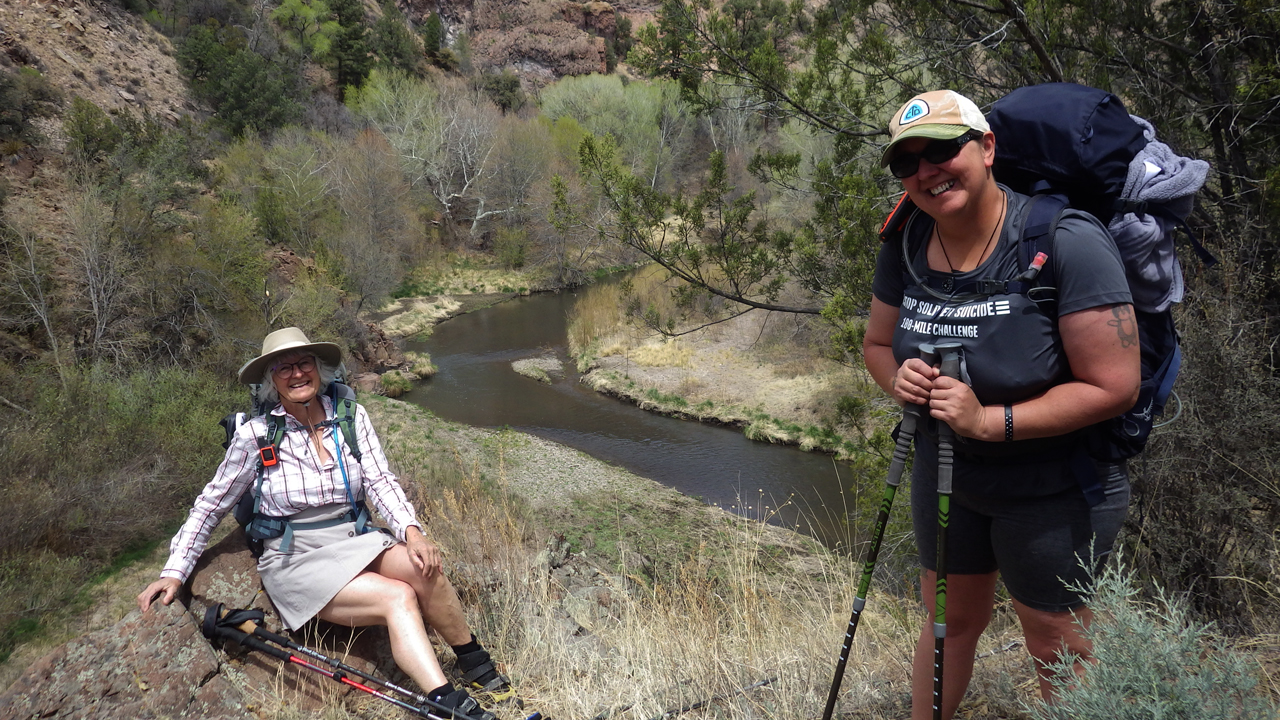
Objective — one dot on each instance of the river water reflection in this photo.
(476, 385)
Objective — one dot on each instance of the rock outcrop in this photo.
(543, 40)
(159, 665)
(146, 666)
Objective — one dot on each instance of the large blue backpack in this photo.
(1070, 146)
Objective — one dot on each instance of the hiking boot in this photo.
(464, 707)
(482, 677)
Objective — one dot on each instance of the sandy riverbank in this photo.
(763, 372)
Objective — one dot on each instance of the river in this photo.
(476, 385)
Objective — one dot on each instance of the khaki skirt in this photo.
(319, 564)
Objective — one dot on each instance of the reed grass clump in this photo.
(596, 315)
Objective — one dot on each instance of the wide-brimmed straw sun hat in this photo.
(283, 341)
(936, 115)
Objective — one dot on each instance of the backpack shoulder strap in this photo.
(275, 429)
(1035, 248)
(344, 413)
(268, 447)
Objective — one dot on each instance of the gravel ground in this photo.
(544, 473)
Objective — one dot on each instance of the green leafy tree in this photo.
(349, 58)
(254, 93)
(204, 52)
(710, 241)
(433, 44)
(245, 89)
(308, 26)
(503, 89)
(394, 43)
(649, 123)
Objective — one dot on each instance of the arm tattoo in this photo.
(1122, 321)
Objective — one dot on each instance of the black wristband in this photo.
(1008, 423)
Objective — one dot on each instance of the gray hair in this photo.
(267, 397)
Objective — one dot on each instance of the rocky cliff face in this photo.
(540, 39)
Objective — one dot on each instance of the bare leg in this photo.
(436, 597)
(970, 601)
(1046, 633)
(372, 599)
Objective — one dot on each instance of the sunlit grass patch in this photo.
(420, 364)
(415, 316)
(465, 275)
(668, 353)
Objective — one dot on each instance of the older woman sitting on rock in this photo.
(325, 562)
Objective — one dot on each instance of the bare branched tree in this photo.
(27, 285)
(100, 277)
(379, 223)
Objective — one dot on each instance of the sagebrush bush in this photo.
(1153, 661)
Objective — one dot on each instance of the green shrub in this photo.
(24, 95)
(105, 465)
(503, 88)
(510, 246)
(92, 135)
(1153, 661)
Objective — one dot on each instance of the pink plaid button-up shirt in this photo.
(298, 482)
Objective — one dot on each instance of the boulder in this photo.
(227, 573)
(366, 382)
(155, 665)
(159, 665)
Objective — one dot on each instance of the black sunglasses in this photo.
(904, 165)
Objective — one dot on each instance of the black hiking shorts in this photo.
(1040, 543)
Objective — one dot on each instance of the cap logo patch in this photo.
(914, 111)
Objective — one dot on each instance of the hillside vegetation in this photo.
(179, 177)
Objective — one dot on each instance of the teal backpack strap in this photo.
(275, 433)
(344, 414)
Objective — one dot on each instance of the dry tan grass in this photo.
(737, 609)
(411, 316)
(596, 314)
(665, 353)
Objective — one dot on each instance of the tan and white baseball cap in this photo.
(937, 115)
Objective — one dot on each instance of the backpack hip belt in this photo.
(278, 527)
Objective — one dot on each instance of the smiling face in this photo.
(292, 382)
(955, 187)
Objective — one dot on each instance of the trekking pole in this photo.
(949, 354)
(906, 432)
(242, 626)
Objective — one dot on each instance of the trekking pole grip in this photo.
(947, 357)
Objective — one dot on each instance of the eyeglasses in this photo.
(284, 370)
(904, 165)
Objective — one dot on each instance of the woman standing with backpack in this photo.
(323, 562)
(1031, 382)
